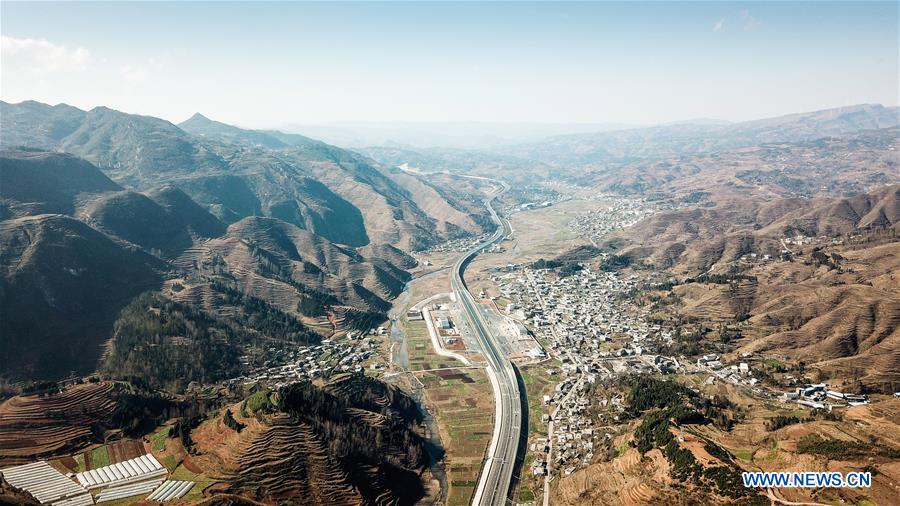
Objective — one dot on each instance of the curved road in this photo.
(496, 475)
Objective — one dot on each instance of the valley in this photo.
(424, 253)
(273, 319)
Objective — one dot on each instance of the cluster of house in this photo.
(594, 333)
(813, 396)
(310, 362)
(456, 245)
(573, 435)
(620, 213)
(738, 374)
(581, 315)
(819, 396)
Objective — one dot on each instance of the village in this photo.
(620, 212)
(284, 366)
(593, 333)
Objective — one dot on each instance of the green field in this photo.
(463, 409)
(158, 441)
(537, 384)
(200, 481)
(745, 455)
(100, 457)
(79, 459)
(526, 495)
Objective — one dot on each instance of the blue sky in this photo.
(268, 64)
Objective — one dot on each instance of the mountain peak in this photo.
(197, 117)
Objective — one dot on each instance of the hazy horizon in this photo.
(451, 134)
(270, 65)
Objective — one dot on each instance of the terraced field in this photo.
(289, 460)
(286, 452)
(43, 426)
(462, 402)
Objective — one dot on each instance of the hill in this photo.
(284, 264)
(352, 441)
(236, 173)
(138, 219)
(696, 240)
(36, 125)
(800, 280)
(54, 422)
(691, 447)
(61, 285)
(38, 182)
(168, 345)
(581, 150)
(115, 244)
(200, 125)
(179, 205)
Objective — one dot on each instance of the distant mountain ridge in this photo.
(691, 139)
(200, 125)
(236, 173)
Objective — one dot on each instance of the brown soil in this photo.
(35, 427)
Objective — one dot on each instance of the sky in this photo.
(265, 64)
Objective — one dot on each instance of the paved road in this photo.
(496, 475)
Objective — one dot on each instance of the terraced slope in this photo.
(846, 324)
(696, 240)
(278, 262)
(352, 441)
(58, 423)
(830, 302)
(36, 426)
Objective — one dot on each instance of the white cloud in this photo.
(135, 73)
(719, 25)
(750, 23)
(139, 73)
(40, 57)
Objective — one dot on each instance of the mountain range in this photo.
(99, 206)
(665, 141)
(810, 280)
(238, 173)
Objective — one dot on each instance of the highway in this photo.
(496, 474)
